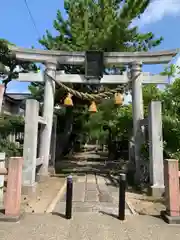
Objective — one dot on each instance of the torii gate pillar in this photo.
(138, 114)
(48, 108)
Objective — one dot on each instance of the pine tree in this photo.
(98, 25)
(9, 63)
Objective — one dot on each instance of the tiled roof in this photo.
(18, 96)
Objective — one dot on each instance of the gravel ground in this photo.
(88, 226)
(45, 193)
(145, 205)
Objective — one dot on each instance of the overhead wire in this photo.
(32, 18)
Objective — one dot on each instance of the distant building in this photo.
(14, 103)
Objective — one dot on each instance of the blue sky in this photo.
(162, 18)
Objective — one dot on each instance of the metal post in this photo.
(69, 194)
(122, 192)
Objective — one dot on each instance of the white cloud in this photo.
(157, 10)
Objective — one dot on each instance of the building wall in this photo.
(12, 108)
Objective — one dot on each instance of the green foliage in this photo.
(171, 116)
(8, 63)
(118, 119)
(171, 133)
(37, 91)
(150, 92)
(10, 148)
(96, 25)
(10, 123)
(100, 25)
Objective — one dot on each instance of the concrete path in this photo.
(94, 218)
(92, 193)
(88, 226)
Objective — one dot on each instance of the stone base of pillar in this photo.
(29, 189)
(7, 218)
(51, 170)
(170, 219)
(157, 191)
(42, 177)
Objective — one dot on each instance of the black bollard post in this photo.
(122, 192)
(69, 194)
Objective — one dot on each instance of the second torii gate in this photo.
(52, 58)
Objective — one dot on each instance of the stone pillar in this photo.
(137, 108)
(2, 165)
(172, 192)
(1, 95)
(48, 109)
(53, 146)
(131, 149)
(30, 145)
(13, 192)
(156, 149)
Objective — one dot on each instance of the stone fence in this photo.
(12, 199)
(172, 191)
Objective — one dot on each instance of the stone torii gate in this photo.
(51, 59)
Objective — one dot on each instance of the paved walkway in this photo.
(94, 204)
(92, 193)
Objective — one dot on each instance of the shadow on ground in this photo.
(91, 163)
(59, 214)
(105, 168)
(109, 214)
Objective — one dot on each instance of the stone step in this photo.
(85, 170)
